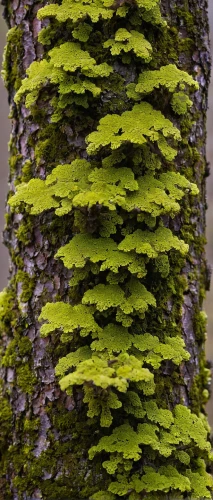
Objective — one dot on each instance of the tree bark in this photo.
(46, 434)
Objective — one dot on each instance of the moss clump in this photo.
(12, 56)
(24, 231)
(13, 162)
(27, 171)
(27, 285)
(51, 146)
(188, 18)
(5, 420)
(7, 300)
(26, 379)
(200, 326)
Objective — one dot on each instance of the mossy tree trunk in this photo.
(46, 432)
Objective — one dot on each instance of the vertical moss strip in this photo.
(121, 335)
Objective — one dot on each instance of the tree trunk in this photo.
(47, 431)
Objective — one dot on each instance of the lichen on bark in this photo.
(94, 251)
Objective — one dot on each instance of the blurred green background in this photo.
(4, 137)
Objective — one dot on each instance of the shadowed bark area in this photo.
(45, 433)
(194, 56)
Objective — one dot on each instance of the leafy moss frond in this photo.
(168, 76)
(68, 318)
(43, 195)
(102, 406)
(84, 248)
(109, 187)
(37, 194)
(200, 480)
(125, 41)
(97, 371)
(122, 440)
(76, 11)
(156, 351)
(82, 32)
(159, 196)
(181, 103)
(137, 126)
(103, 495)
(162, 417)
(128, 442)
(114, 339)
(98, 9)
(69, 186)
(151, 244)
(70, 57)
(63, 60)
(165, 479)
(107, 296)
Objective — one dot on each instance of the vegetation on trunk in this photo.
(105, 227)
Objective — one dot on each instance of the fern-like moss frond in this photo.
(137, 126)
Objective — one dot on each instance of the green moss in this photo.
(27, 171)
(118, 335)
(7, 302)
(51, 145)
(13, 162)
(31, 426)
(188, 18)
(10, 356)
(200, 326)
(12, 55)
(27, 285)
(17, 348)
(73, 459)
(24, 346)
(26, 379)
(195, 395)
(5, 420)
(23, 233)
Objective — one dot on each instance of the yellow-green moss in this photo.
(5, 420)
(12, 56)
(27, 285)
(120, 339)
(26, 379)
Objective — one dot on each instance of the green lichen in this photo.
(63, 60)
(71, 186)
(69, 318)
(118, 346)
(97, 9)
(168, 76)
(126, 41)
(137, 126)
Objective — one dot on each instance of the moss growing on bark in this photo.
(112, 176)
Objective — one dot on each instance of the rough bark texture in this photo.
(41, 457)
(194, 25)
